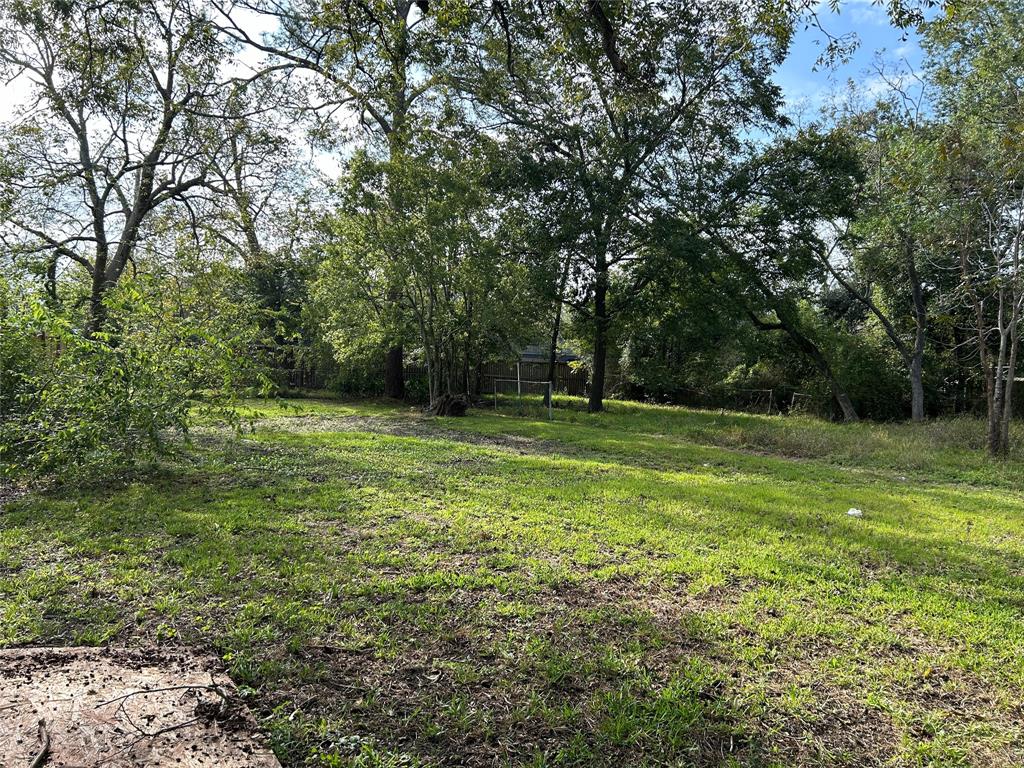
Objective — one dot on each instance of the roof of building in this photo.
(537, 353)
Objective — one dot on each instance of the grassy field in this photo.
(648, 586)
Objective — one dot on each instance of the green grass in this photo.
(648, 586)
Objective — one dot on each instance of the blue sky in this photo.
(806, 90)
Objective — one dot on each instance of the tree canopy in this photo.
(401, 197)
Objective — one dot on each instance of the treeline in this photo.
(195, 193)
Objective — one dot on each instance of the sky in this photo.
(806, 90)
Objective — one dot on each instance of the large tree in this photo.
(770, 231)
(976, 60)
(125, 117)
(639, 104)
(465, 295)
(883, 257)
(372, 67)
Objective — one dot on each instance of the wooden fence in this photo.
(302, 377)
(482, 379)
(567, 381)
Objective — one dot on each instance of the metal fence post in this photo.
(519, 387)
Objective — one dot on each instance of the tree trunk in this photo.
(97, 308)
(989, 372)
(50, 286)
(242, 204)
(553, 352)
(809, 348)
(920, 329)
(556, 327)
(845, 405)
(912, 358)
(916, 389)
(1011, 368)
(553, 358)
(467, 348)
(838, 392)
(395, 134)
(394, 375)
(1007, 414)
(452, 387)
(989, 369)
(998, 401)
(596, 402)
(1001, 410)
(994, 440)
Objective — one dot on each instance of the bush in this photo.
(360, 376)
(70, 401)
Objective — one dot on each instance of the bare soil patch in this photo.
(411, 426)
(117, 708)
(9, 493)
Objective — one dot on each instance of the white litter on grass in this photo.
(854, 512)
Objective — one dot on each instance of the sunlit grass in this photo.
(645, 586)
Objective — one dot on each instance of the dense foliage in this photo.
(390, 196)
(73, 402)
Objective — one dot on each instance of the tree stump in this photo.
(449, 405)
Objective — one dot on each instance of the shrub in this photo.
(70, 401)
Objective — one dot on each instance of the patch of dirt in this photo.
(121, 709)
(466, 674)
(837, 729)
(461, 692)
(837, 723)
(498, 677)
(9, 493)
(493, 656)
(412, 427)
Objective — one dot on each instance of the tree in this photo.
(257, 218)
(464, 296)
(984, 230)
(882, 256)
(638, 107)
(976, 63)
(374, 63)
(770, 231)
(178, 338)
(124, 120)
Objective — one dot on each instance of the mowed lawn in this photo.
(649, 586)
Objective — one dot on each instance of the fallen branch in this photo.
(211, 688)
(144, 735)
(44, 753)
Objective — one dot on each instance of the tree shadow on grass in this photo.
(451, 675)
(354, 587)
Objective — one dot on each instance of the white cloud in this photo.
(875, 86)
(868, 15)
(906, 50)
